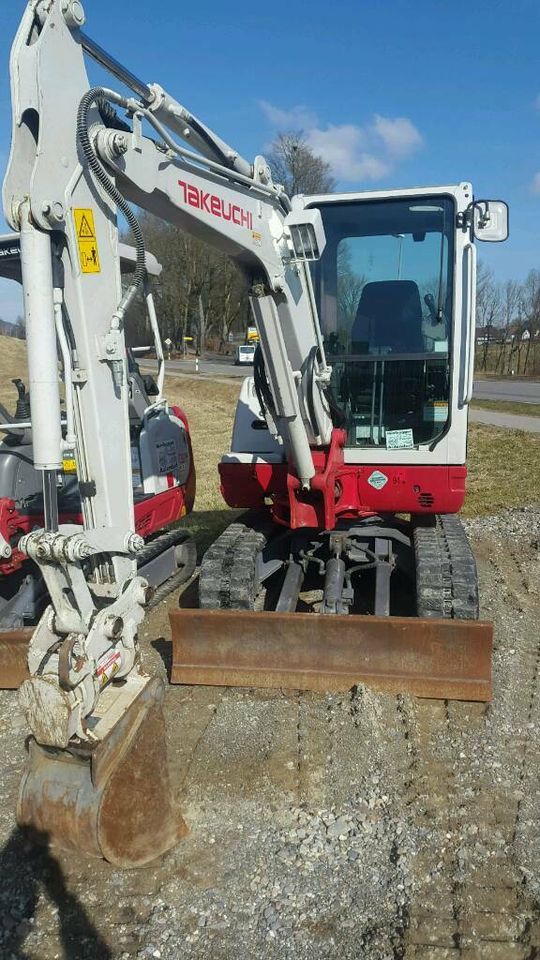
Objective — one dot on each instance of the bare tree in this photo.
(233, 307)
(297, 167)
(488, 311)
(510, 306)
(349, 288)
(199, 293)
(529, 318)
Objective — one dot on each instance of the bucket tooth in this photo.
(110, 798)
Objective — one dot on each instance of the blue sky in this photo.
(394, 93)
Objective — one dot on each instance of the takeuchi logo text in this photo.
(214, 205)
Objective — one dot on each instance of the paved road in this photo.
(517, 391)
(510, 421)
(215, 367)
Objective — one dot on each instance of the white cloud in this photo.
(367, 151)
(343, 148)
(398, 134)
(535, 185)
(298, 118)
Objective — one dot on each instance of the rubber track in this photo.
(446, 577)
(158, 545)
(169, 586)
(228, 574)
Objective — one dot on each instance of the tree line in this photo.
(507, 324)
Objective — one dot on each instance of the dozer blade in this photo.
(13, 658)
(111, 798)
(442, 659)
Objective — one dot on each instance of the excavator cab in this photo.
(396, 319)
(374, 542)
(385, 289)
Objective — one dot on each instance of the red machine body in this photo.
(152, 513)
(341, 490)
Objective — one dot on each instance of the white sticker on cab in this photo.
(399, 439)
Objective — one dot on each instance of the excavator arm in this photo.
(75, 166)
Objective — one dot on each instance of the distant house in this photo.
(489, 334)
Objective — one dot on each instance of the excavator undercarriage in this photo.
(394, 605)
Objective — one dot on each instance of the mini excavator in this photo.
(169, 556)
(348, 445)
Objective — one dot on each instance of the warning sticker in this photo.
(377, 479)
(107, 666)
(86, 240)
(167, 458)
(69, 463)
(399, 439)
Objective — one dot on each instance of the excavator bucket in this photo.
(441, 659)
(110, 797)
(13, 658)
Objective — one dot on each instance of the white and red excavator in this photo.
(159, 501)
(349, 443)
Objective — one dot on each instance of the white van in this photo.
(244, 354)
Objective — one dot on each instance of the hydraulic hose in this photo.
(110, 117)
(93, 96)
(313, 355)
(337, 415)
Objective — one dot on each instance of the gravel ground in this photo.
(351, 826)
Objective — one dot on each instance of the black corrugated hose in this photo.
(97, 95)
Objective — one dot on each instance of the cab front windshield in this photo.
(384, 293)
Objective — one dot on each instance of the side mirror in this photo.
(490, 220)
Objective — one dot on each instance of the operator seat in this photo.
(389, 315)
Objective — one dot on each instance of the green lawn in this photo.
(504, 470)
(508, 406)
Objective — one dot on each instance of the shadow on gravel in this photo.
(27, 867)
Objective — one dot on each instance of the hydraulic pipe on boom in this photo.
(36, 267)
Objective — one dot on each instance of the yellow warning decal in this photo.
(69, 465)
(86, 240)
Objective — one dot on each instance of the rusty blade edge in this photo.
(477, 690)
(425, 657)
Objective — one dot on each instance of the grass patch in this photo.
(508, 406)
(504, 470)
(12, 364)
(210, 409)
